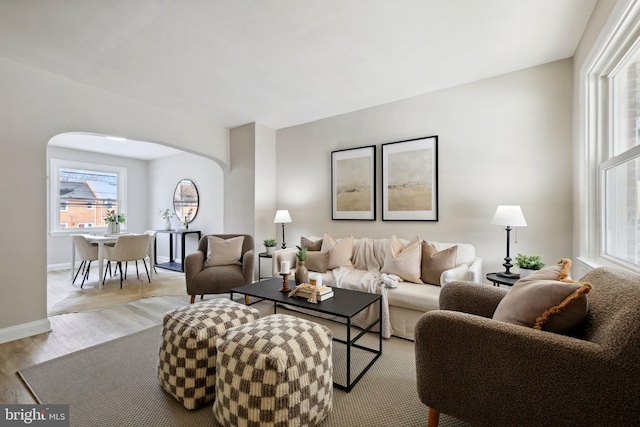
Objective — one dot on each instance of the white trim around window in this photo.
(54, 208)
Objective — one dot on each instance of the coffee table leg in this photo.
(348, 354)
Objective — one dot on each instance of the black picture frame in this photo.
(353, 184)
(410, 180)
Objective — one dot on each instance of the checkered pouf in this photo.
(276, 371)
(187, 361)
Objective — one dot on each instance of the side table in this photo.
(172, 264)
(260, 256)
(499, 280)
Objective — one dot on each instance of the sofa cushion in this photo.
(545, 304)
(404, 261)
(223, 252)
(414, 297)
(310, 245)
(317, 261)
(339, 251)
(435, 262)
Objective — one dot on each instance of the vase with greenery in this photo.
(166, 215)
(270, 244)
(114, 220)
(528, 264)
(302, 274)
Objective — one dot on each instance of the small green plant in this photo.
(532, 262)
(112, 216)
(269, 242)
(301, 254)
(165, 214)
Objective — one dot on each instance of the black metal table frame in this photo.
(172, 265)
(348, 342)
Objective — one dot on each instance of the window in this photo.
(611, 78)
(82, 193)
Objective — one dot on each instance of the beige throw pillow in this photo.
(545, 304)
(224, 252)
(339, 252)
(317, 261)
(310, 245)
(434, 263)
(403, 261)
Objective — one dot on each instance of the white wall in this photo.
(504, 140)
(164, 175)
(34, 106)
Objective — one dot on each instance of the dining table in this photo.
(102, 240)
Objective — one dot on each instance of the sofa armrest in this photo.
(472, 298)
(287, 254)
(484, 363)
(475, 271)
(459, 273)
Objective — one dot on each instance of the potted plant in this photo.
(113, 221)
(270, 244)
(528, 264)
(166, 215)
(302, 274)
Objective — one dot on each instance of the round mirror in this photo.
(186, 200)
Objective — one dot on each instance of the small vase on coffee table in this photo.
(302, 274)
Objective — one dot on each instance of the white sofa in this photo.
(408, 301)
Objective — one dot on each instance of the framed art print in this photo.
(353, 183)
(410, 180)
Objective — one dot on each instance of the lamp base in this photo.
(508, 275)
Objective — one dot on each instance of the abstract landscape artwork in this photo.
(353, 183)
(410, 180)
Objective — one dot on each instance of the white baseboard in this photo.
(62, 266)
(24, 330)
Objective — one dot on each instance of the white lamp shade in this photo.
(282, 216)
(509, 216)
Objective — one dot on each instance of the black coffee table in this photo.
(345, 304)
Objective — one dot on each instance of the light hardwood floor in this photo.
(73, 332)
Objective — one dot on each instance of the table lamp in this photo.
(283, 217)
(508, 216)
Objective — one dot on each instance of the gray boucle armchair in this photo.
(218, 279)
(490, 373)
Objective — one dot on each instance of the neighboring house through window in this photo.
(82, 193)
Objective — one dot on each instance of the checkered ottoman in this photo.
(187, 361)
(276, 371)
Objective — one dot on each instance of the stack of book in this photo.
(322, 293)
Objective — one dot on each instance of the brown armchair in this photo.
(218, 279)
(491, 373)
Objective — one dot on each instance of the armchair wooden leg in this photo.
(434, 417)
(246, 300)
(201, 297)
(193, 299)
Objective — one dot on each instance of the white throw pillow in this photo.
(404, 261)
(340, 252)
(224, 252)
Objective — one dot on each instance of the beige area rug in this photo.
(115, 384)
(92, 298)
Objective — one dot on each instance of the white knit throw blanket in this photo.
(369, 281)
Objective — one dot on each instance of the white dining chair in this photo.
(129, 248)
(152, 240)
(87, 252)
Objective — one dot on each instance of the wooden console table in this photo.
(172, 264)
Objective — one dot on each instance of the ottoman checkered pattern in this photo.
(187, 360)
(276, 371)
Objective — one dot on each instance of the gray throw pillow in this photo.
(317, 261)
(545, 304)
(223, 252)
(310, 245)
